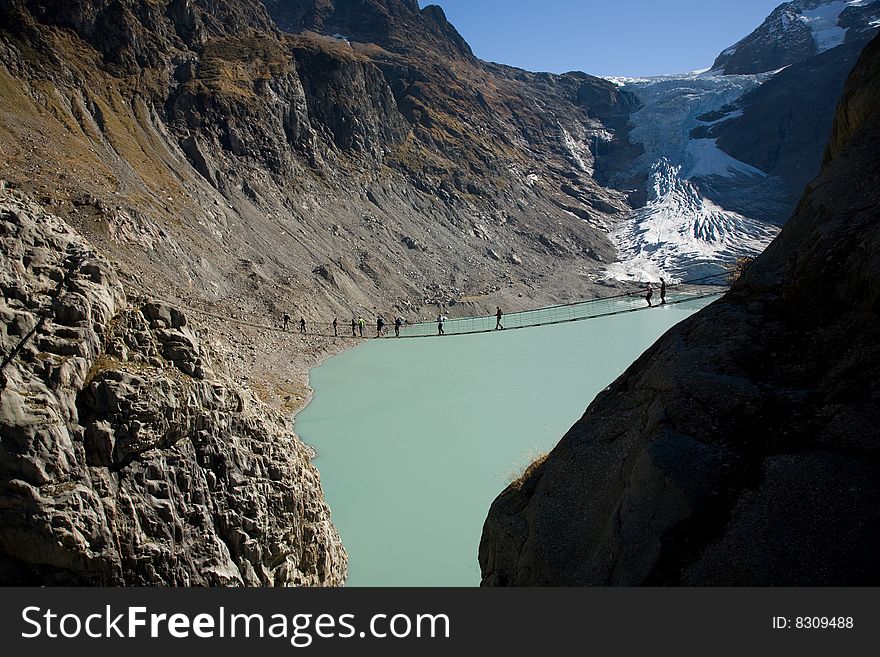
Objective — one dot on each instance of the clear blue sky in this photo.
(604, 37)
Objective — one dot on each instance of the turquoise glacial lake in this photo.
(416, 437)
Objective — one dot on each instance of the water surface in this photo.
(416, 437)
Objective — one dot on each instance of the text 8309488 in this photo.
(813, 623)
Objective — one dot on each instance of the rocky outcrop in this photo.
(740, 449)
(128, 457)
(782, 39)
(858, 104)
(396, 25)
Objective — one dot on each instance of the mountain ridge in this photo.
(438, 137)
(397, 25)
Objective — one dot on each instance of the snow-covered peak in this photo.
(823, 21)
(798, 30)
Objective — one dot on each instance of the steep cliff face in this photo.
(741, 448)
(782, 127)
(128, 457)
(858, 104)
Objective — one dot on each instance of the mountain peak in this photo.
(396, 25)
(798, 30)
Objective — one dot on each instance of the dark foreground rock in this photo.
(742, 448)
(127, 456)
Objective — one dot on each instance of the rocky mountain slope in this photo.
(264, 169)
(128, 456)
(217, 163)
(781, 127)
(741, 448)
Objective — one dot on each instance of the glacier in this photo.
(680, 233)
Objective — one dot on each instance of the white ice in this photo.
(823, 23)
(731, 115)
(679, 233)
(706, 159)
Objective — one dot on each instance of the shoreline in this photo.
(310, 392)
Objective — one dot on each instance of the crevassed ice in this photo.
(679, 233)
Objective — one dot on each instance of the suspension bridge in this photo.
(707, 287)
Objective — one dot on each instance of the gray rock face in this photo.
(127, 457)
(780, 40)
(740, 449)
(397, 25)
